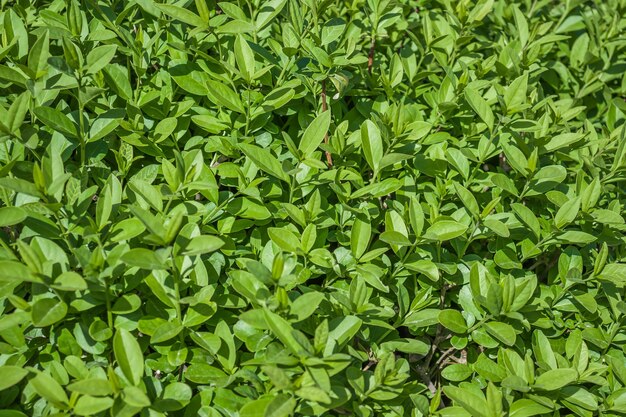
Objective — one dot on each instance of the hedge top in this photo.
(312, 208)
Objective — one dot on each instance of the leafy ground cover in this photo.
(340, 208)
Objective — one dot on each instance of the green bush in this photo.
(311, 207)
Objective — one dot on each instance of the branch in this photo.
(370, 57)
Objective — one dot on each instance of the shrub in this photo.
(275, 208)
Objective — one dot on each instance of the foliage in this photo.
(339, 208)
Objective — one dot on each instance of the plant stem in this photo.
(81, 127)
(179, 314)
(107, 298)
(370, 57)
(247, 128)
(217, 208)
(329, 158)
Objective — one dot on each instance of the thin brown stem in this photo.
(424, 370)
(370, 57)
(369, 365)
(329, 158)
(425, 377)
(444, 357)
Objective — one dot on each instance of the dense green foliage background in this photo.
(339, 208)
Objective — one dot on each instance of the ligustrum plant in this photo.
(272, 208)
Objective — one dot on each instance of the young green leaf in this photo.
(224, 96)
(11, 375)
(480, 106)
(372, 144)
(567, 213)
(99, 57)
(128, 355)
(245, 58)
(264, 160)
(182, 14)
(56, 120)
(49, 389)
(314, 134)
(445, 230)
(453, 320)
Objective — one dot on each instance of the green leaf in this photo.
(264, 160)
(48, 388)
(11, 375)
(56, 120)
(314, 134)
(10, 74)
(480, 10)
(38, 55)
(470, 401)
(479, 105)
(88, 405)
(343, 329)
(567, 213)
(372, 144)
(580, 397)
(255, 408)
(128, 355)
(99, 57)
(443, 230)
(202, 244)
(502, 331)
(378, 189)
(245, 58)
(165, 128)
(147, 194)
(202, 373)
(527, 216)
(143, 258)
(91, 386)
(556, 378)
(313, 394)
(17, 112)
(136, 397)
(166, 331)
(563, 140)
(497, 226)
(360, 236)
(468, 199)
(516, 93)
(422, 318)
(117, 78)
(283, 331)
(416, 216)
(395, 238)
(222, 95)
(285, 239)
(574, 236)
(281, 406)
(306, 304)
(48, 311)
(372, 275)
(614, 272)
(426, 267)
(453, 320)
(527, 408)
(184, 15)
(269, 10)
(10, 216)
(15, 271)
(456, 372)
